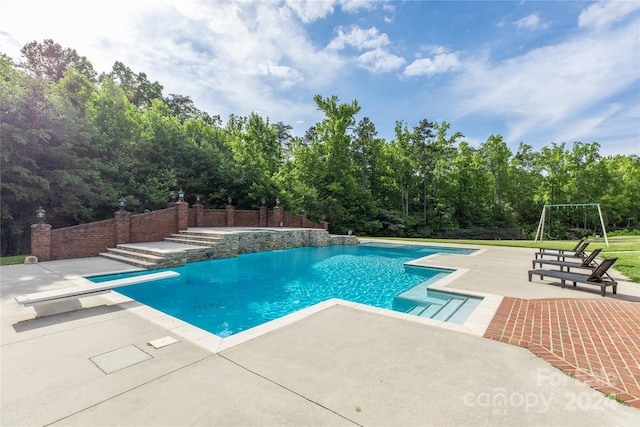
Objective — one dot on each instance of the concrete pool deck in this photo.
(341, 364)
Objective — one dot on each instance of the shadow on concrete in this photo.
(71, 316)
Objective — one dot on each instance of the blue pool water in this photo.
(230, 295)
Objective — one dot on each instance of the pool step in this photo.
(447, 309)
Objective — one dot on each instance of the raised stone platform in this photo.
(206, 243)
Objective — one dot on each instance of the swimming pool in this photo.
(230, 295)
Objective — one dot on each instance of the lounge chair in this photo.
(588, 262)
(597, 276)
(579, 253)
(575, 248)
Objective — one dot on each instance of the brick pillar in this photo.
(231, 216)
(303, 220)
(199, 214)
(324, 225)
(123, 226)
(277, 216)
(183, 215)
(263, 216)
(41, 241)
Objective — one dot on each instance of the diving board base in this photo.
(58, 307)
(62, 305)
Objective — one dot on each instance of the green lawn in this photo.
(626, 248)
(11, 260)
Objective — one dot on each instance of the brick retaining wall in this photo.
(153, 226)
(87, 240)
(79, 240)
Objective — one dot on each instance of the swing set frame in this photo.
(540, 232)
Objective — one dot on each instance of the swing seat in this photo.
(597, 276)
(579, 253)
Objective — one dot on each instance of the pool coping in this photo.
(476, 323)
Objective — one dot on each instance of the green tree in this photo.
(524, 182)
(48, 60)
(139, 90)
(472, 185)
(621, 204)
(257, 151)
(118, 128)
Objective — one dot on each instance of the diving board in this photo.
(67, 299)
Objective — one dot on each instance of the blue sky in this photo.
(534, 72)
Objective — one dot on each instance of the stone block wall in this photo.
(271, 240)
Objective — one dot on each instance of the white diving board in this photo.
(53, 301)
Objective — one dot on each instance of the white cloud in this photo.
(359, 38)
(558, 89)
(376, 59)
(353, 6)
(605, 13)
(311, 10)
(441, 63)
(531, 22)
(286, 75)
(379, 60)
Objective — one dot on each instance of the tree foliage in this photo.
(75, 144)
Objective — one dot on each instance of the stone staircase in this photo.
(208, 243)
(197, 238)
(175, 250)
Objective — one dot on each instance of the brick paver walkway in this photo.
(595, 340)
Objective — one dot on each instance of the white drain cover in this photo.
(120, 358)
(162, 342)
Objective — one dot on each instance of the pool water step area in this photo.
(150, 258)
(447, 307)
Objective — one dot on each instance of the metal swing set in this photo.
(540, 232)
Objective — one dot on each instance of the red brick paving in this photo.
(595, 340)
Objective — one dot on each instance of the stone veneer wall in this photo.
(271, 240)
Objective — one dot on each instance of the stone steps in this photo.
(194, 238)
(150, 257)
(202, 245)
(128, 257)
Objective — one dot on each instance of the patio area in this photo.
(338, 364)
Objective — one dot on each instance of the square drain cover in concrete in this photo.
(120, 358)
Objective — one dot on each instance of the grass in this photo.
(626, 248)
(11, 260)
